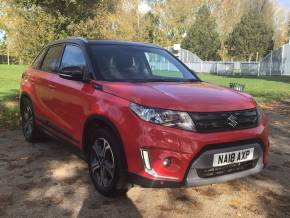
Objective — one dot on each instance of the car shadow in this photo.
(50, 179)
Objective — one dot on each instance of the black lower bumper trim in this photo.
(152, 183)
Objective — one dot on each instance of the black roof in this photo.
(80, 40)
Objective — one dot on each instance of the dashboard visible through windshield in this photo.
(138, 64)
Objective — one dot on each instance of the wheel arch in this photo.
(101, 122)
(22, 96)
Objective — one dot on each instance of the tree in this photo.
(178, 16)
(202, 38)
(152, 27)
(31, 24)
(250, 36)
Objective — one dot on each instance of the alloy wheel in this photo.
(102, 162)
(27, 121)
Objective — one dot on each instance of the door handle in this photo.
(51, 86)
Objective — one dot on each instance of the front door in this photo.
(70, 98)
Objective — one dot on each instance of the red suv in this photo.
(141, 116)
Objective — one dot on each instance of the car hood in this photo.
(191, 97)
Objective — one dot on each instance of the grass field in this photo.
(9, 89)
(265, 89)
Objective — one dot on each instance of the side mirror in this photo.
(72, 73)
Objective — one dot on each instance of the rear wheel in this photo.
(30, 131)
(106, 163)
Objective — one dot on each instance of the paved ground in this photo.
(50, 180)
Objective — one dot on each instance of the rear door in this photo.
(42, 81)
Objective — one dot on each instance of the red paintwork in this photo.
(68, 104)
(192, 97)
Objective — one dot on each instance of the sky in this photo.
(285, 3)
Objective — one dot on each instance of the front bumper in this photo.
(221, 174)
(204, 163)
(187, 151)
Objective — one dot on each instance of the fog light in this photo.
(146, 160)
(166, 162)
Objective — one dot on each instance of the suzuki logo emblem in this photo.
(232, 121)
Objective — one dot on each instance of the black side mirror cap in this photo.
(72, 73)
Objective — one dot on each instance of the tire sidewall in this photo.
(118, 160)
(26, 102)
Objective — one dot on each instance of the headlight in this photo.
(163, 117)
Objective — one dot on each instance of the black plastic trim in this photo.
(55, 128)
(150, 183)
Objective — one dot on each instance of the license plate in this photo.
(226, 158)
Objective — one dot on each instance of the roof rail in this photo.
(78, 38)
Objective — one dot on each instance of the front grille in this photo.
(225, 121)
(224, 170)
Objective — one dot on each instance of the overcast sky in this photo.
(285, 3)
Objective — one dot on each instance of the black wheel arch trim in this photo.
(108, 123)
(24, 95)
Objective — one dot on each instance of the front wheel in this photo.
(106, 163)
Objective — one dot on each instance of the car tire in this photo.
(106, 163)
(30, 130)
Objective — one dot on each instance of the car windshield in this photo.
(138, 64)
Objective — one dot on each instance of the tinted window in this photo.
(52, 58)
(37, 61)
(138, 63)
(73, 56)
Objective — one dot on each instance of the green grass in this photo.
(264, 89)
(9, 92)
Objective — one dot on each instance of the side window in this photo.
(73, 56)
(37, 61)
(52, 58)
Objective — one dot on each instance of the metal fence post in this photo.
(271, 62)
(217, 72)
(282, 64)
(259, 68)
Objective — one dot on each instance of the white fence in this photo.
(226, 68)
(277, 62)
